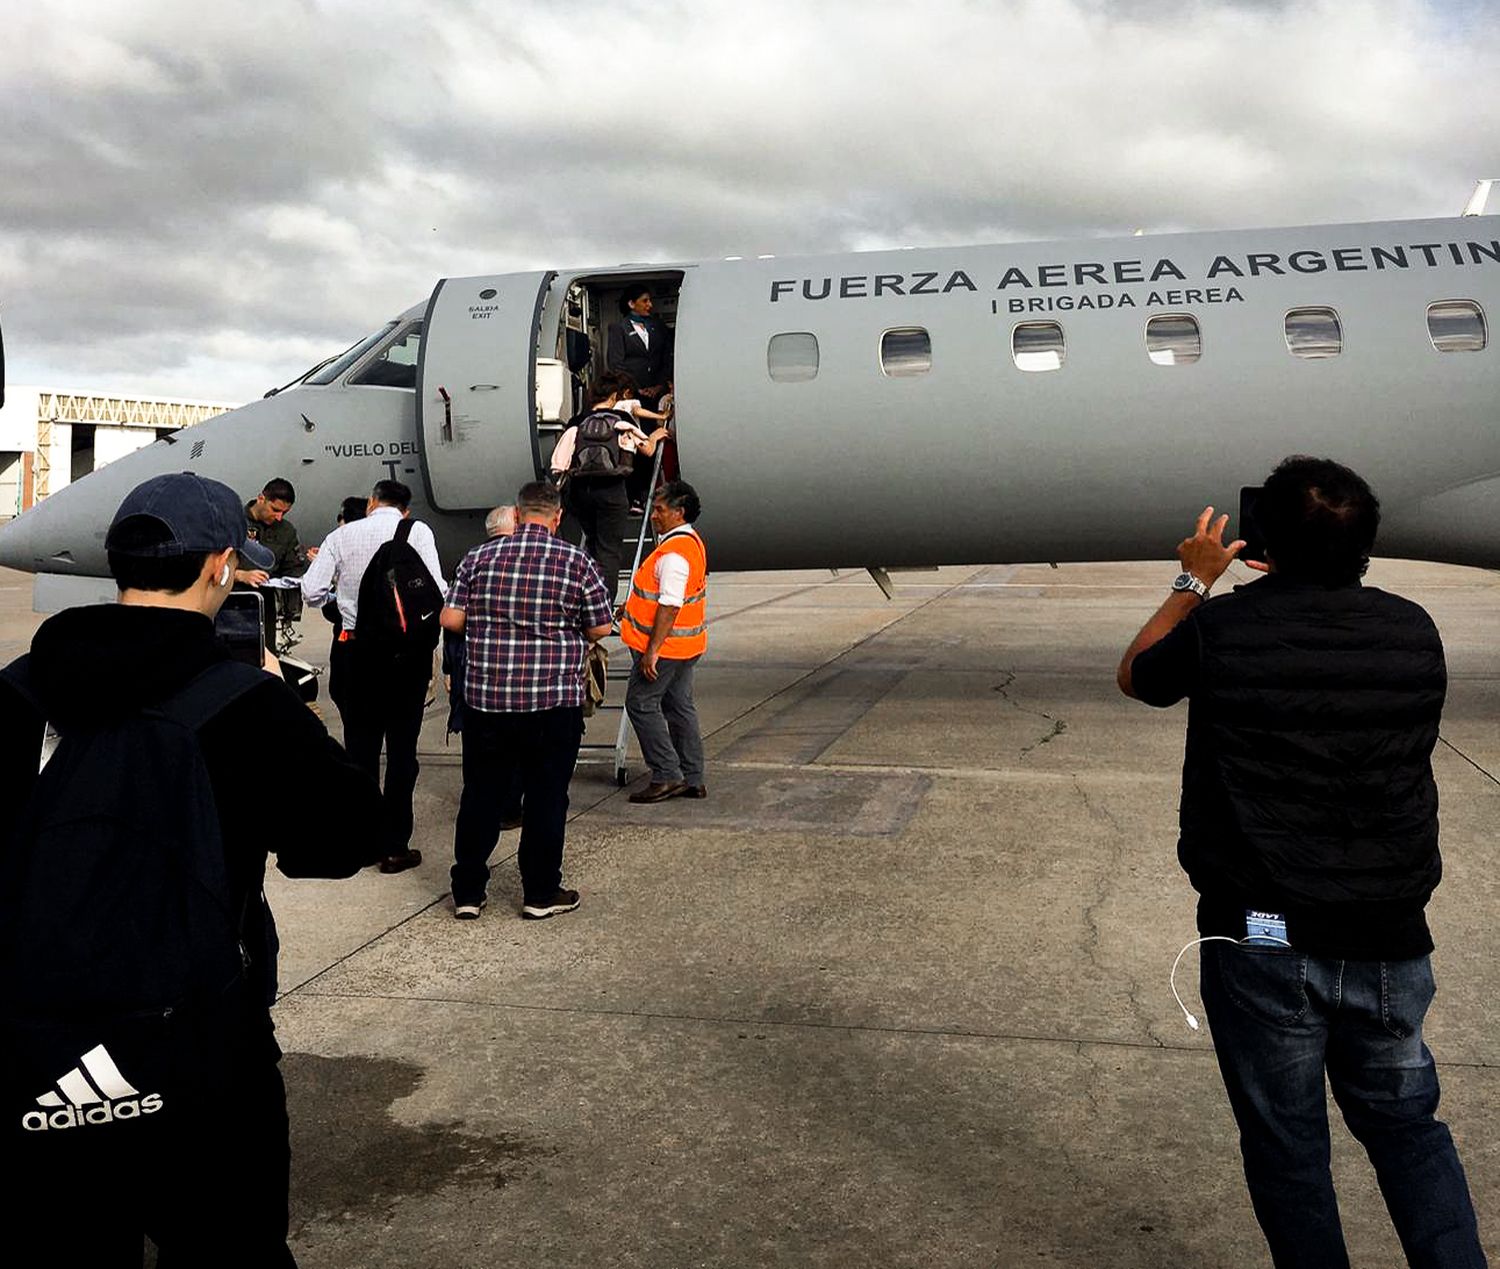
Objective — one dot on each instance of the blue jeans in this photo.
(1279, 1021)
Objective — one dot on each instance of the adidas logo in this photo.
(95, 1093)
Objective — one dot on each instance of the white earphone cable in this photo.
(1210, 938)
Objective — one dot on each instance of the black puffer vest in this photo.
(1308, 780)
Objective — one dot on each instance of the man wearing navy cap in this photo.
(199, 1162)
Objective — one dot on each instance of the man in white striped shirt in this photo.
(379, 695)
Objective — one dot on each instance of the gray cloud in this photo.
(205, 202)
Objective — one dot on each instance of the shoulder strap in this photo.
(692, 541)
(403, 530)
(211, 692)
(18, 675)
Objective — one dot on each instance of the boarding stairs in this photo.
(612, 751)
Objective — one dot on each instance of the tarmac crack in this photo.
(1090, 1087)
(764, 1024)
(1058, 725)
(1108, 874)
(811, 1024)
(1484, 771)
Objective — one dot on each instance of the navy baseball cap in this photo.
(199, 515)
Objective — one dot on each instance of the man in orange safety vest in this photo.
(665, 626)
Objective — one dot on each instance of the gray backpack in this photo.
(596, 448)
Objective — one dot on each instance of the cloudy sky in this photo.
(203, 198)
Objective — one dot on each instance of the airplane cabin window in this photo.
(396, 367)
(1173, 339)
(905, 351)
(344, 360)
(1457, 326)
(792, 358)
(1314, 333)
(1037, 346)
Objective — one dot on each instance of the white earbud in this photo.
(224, 576)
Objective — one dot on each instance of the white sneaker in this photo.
(468, 911)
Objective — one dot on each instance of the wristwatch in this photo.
(1186, 581)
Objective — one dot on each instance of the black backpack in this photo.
(399, 599)
(596, 448)
(122, 956)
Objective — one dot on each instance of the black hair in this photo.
(279, 490)
(633, 291)
(392, 493)
(352, 508)
(170, 573)
(611, 383)
(681, 496)
(537, 498)
(1318, 519)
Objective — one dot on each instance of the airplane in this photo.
(1025, 402)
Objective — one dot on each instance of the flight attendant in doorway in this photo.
(640, 345)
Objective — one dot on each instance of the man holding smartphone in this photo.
(1309, 828)
(119, 876)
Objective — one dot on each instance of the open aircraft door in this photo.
(476, 389)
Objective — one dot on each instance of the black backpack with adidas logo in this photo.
(399, 600)
(122, 958)
(596, 448)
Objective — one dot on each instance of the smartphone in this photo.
(1248, 528)
(241, 626)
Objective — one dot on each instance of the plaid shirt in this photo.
(527, 599)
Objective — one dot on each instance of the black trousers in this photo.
(599, 516)
(379, 698)
(542, 746)
(638, 483)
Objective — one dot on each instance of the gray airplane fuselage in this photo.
(1107, 457)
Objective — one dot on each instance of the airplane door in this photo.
(476, 389)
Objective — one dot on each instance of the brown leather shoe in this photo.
(694, 791)
(659, 792)
(400, 863)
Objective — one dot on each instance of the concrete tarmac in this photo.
(895, 994)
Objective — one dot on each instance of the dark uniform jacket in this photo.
(98, 662)
(649, 364)
(280, 539)
(1307, 786)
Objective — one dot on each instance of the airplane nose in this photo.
(55, 536)
(18, 544)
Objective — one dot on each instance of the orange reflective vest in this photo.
(689, 637)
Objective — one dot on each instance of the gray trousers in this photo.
(665, 720)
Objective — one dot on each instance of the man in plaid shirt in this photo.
(528, 605)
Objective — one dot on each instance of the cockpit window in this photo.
(396, 366)
(335, 368)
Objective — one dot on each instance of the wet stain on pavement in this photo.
(349, 1154)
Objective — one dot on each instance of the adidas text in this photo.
(82, 1116)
